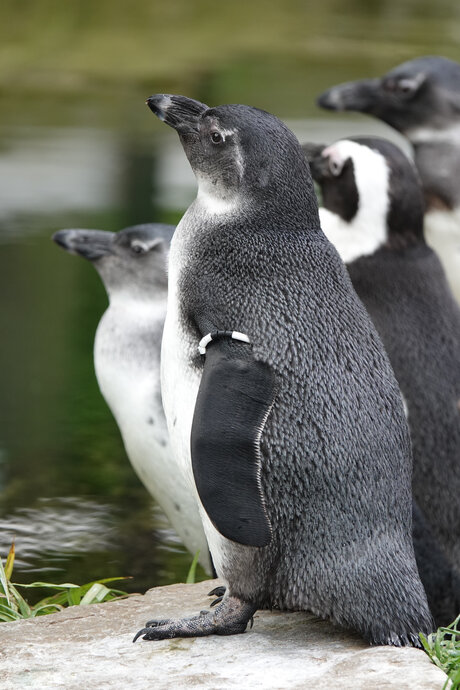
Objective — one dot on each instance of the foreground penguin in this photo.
(421, 99)
(373, 213)
(132, 265)
(280, 401)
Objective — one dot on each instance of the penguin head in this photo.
(420, 94)
(240, 155)
(371, 196)
(130, 262)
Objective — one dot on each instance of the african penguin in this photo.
(373, 213)
(281, 403)
(132, 265)
(421, 99)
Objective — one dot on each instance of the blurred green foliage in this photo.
(273, 54)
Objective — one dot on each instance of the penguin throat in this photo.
(215, 201)
(354, 239)
(433, 135)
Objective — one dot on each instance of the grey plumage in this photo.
(335, 462)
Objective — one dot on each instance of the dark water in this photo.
(78, 148)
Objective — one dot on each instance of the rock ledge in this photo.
(91, 647)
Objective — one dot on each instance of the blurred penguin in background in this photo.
(132, 264)
(373, 213)
(421, 99)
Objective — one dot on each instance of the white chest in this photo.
(180, 381)
(127, 363)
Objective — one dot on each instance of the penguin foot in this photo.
(229, 618)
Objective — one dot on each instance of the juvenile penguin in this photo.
(421, 99)
(280, 401)
(132, 265)
(373, 213)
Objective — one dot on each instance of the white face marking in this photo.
(237, 150)
(431, 135)
(214, 198)
(367, 230)
(226, 132)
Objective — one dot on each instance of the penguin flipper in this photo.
(234, 399)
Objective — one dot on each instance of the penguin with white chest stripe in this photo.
(373, 213)
(291, 424)
(132, 266)
(421, 99)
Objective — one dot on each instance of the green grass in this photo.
(443, 648)
(13, 606)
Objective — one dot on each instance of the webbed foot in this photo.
(229, 618)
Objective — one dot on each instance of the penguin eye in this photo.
(138, 248)
(216, 138)
(335, 167)
(404, 86)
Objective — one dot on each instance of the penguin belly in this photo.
(442, 233)
(180, 384)
(131, 387)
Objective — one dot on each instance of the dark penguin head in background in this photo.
(420, 94)
(371, 195)
(242, 157)
(132, 261)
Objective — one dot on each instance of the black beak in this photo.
(317, 163)
(360, 96)
(179, 112)
(91, 244)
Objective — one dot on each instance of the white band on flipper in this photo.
(215, 335)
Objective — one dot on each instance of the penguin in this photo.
(421, 99)
(132, 266)
(281, 404)
(373, 213)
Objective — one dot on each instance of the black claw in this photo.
(251, 622)
(139, 633)
(217, 592)
(216, 601)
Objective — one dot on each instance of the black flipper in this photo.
(235, 396)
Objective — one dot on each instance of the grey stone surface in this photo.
(91, 648)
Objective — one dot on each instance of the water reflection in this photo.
(56, 530)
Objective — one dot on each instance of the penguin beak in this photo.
(91, 244)
(361, 96)
(181, 113)
(317, 162)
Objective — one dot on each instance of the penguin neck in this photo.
(281, 205)
(134, 311)
(363, 235)
(437, 158)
